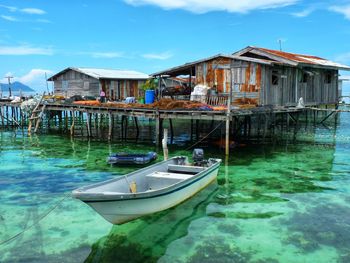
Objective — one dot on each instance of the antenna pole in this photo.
(280, 41)
(9, 81)
(47, 84)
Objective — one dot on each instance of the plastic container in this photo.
(149, 96)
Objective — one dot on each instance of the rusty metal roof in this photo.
(292, 59)
(187, 67)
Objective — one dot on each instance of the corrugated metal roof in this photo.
(112, 73)
(299, 58)
(106, 73)
(189, 65)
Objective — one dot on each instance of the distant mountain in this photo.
(16, 86)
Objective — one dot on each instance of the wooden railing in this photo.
(213, 100)
(220, 99)
(217, 100)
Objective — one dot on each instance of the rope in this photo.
(205, 136)
(36, 222)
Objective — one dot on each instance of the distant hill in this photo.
(16, 86)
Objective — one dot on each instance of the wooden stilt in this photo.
(249, 126)
(126, 128)
(227, 135)
(122, 128)
(7, 116)
(88, 124)
(110, 125)
(165, 144)
(2, 116)
(171, 131)
(66, 120)
(73, 123)
(157, 131)
(191, 130)
(137, 128)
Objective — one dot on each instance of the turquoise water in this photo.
(286, 202)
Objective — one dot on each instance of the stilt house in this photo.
(117, 84)
(264, 77)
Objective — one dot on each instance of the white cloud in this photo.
(24, 50)
(159, 56)
(45, 21)
(343, 58)
(345, 77)
(33, 11)
(35, 78)
(304, 13)
(9, 18)
(10, 8)
(204, 6)
(345, 10)
(106, 54)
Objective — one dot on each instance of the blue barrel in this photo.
(149, 96)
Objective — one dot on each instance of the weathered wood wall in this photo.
(245, 77)
(73, 83)
(315, 86)
(269, 85)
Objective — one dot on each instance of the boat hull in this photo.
(121, 211)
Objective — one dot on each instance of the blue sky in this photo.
(38, 36)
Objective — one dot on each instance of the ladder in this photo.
(36, 116)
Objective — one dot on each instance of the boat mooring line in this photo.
(206, 136)
(36, 222)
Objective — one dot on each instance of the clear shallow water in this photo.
(279, 203)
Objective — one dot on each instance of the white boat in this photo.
(148, 190)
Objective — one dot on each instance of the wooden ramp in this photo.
(37, 115)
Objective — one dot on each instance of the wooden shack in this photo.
(265, 77)
(117, 84)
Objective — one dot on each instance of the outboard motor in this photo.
(198, 157)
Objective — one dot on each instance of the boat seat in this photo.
(166, 175)
(185, 168)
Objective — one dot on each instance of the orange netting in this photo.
(88, 102)
(163, 104)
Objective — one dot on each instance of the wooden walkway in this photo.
(170, 114)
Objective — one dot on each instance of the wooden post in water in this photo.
(197, 130)
(66, 120)
(73, 122)
(165, 145)
(7, 116)
(88, 124)
(2, 116)
(227, 135)
(122, 127)
(191, 130)
(126, 128)
(171, 131)
(157, 129)
(137, 128)
(110, 125)
(228, 114)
